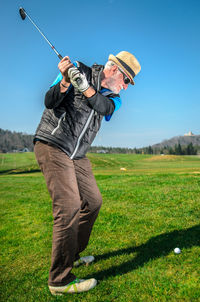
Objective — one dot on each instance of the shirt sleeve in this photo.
(117, 101)
(54, 97)
(57, 80)
(103, 105)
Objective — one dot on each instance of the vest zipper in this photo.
(82, 133)
(59, 121)
(87, 123)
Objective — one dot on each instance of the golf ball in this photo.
(177, 250)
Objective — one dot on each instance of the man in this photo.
(75, 106)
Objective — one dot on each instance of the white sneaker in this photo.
(84, 260)
(76, 286)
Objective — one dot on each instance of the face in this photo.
(115, 81)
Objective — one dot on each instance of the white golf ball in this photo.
(177, 250)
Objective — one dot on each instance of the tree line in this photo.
(177, 150)
(18, 142)
(15, 141)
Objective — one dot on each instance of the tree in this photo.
(190, 150)
(178, 150)
(149, 150)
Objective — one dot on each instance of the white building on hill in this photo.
(189, 134)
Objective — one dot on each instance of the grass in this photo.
(148, 210)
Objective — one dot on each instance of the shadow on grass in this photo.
(11, 171)
(154, 248)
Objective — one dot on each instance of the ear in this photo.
(114, 69)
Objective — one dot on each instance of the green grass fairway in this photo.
(150, 207)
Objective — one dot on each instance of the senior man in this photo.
(75, 105)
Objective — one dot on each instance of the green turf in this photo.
(148, 209)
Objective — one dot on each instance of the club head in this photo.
(22, 13)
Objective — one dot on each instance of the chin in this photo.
(113, 86)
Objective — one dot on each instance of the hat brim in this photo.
(115, 60)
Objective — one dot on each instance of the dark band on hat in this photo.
(126, 67)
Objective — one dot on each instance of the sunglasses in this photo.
(126, 79)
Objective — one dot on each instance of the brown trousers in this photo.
(76, 204)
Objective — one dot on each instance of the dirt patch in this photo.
(163, 157)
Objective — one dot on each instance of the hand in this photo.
(78, 79)
(63, 66)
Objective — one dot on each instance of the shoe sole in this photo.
(54, 293)
(57, 293)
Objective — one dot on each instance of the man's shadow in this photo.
(154, 248)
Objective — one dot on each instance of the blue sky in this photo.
(163, 35)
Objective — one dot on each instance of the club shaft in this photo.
(52, 47)
(24, 14)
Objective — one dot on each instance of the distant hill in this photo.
(182, 140)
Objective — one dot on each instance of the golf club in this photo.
(23, 15)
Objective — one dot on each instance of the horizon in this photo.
(103, 146)
(163, 103)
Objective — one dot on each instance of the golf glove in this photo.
(78, 79)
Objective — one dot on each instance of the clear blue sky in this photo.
(163, 35)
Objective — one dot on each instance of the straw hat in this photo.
(127, 62)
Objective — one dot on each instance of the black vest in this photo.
(73, 125)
